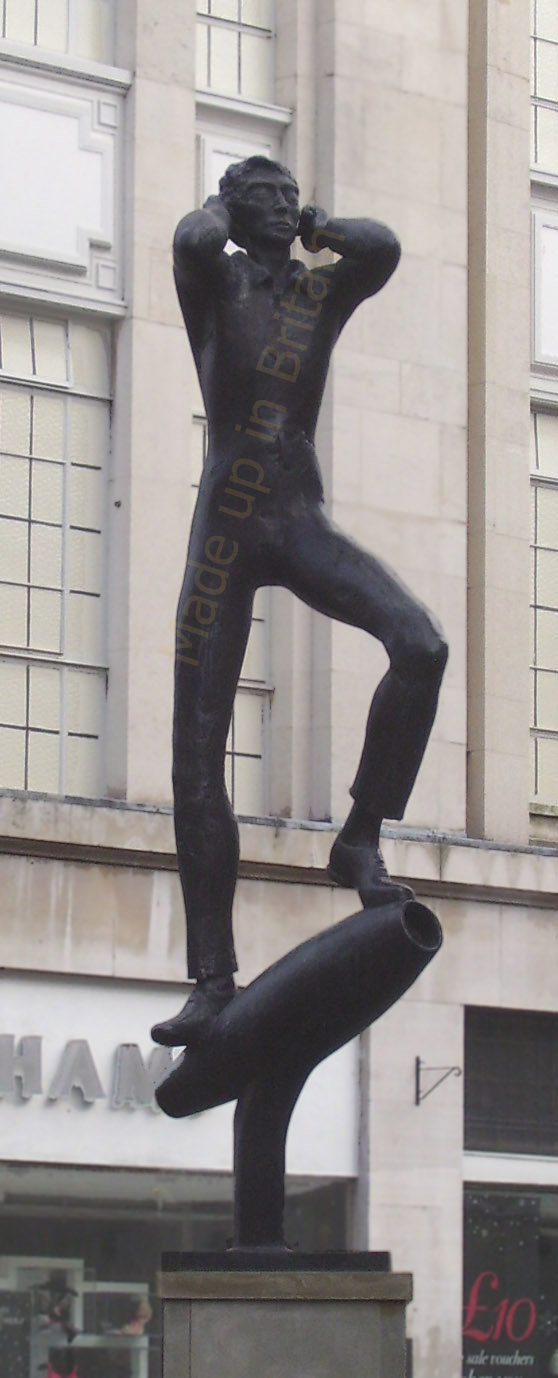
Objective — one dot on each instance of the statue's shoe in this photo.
(193, 1022)
(363, 869)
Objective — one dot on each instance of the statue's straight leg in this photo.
(205, 826)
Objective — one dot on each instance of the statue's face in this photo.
(270, 209)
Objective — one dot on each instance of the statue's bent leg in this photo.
(338, 578)
(206, 829)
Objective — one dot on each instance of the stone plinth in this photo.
(305, 1317)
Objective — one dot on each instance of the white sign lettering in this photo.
(133, 1079)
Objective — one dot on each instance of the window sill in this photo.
(46, 62)
(277, 115)
(544, 823)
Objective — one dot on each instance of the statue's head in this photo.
(263, 200)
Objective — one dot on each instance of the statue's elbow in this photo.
(183, 242)
(391, 252)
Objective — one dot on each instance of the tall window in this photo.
(545, 606)
(81, 27)
(545, 83)
(54, 443)
(245, 758)
(235, 48)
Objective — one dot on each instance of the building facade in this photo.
(436, 1135)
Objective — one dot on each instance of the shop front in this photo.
(95, 1184)
(510, 1319)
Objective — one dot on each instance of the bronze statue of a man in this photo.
(262, 327)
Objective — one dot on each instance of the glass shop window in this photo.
(511, 1081)
(54, 445)
(80, 1250)
(510, 1283)
(234, 53)
(83, 28)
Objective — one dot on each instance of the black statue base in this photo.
(276, 1261)
(264, 1045)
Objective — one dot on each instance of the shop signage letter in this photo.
(134, 1083)
(23, 1066)
(76, 1070)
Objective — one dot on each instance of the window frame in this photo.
(61, 660)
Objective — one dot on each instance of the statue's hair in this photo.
(234, 180)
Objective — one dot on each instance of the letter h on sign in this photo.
(23, 1066)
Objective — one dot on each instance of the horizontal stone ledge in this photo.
(110, 832)
(286, 1286)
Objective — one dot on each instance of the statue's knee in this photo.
(422, 652)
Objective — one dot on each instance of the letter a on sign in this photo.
(76, 1070)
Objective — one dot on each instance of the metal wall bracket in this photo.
(421, 1067)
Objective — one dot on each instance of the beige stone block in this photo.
(403, 474)
(163, 107)
(397, 121)
(467, 970)
(507, 570)
(509, 98)
(69, 916)
(453, 317)
(507, 336)
(403, 18)
(508, 37)
(452, 785)
(270, 919)
(451, 718)
(431, 70)
(150, 726)
(415, 859)
(508, 254)
(159, 178)
(163, 301)
(404, 321)
(160, 376)
(437, 394)
(405, 1134)
(150, 926)
(507, 723)
(507, 663)
(154, 225)
(502, 791)
(454, 165)
(507, 416)
(165, 43)
(399, 1188)
(281, 843)
(454, 25)
(367, 383)
(508, 156)
(529, 959)
(452, 226)
(453, 472)
(138, 287)
(409, 1029)
(507, 506)
(544, 826)
(365, 54)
